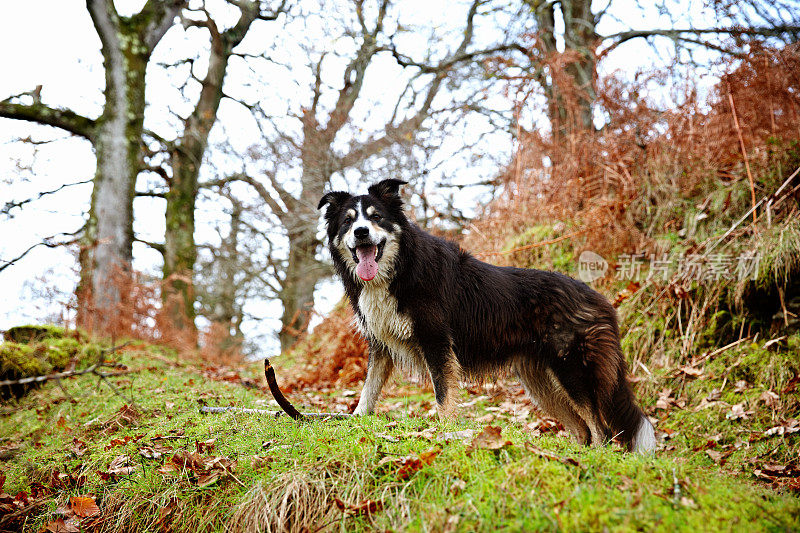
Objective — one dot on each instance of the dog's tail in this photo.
(627, 421)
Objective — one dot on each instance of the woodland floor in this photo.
(82, 456)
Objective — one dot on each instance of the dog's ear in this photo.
(334, 200)
(388, 191)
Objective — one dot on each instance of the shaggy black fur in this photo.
(538, 324)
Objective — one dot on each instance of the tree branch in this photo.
(158, 247)
(159, 16)
(47, 242)
(60, 118)
(11, 204)
(771, 31)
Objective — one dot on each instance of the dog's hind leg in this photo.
(379, 369)
(547, 393)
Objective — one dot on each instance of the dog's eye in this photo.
(375, 217)
(348, 219)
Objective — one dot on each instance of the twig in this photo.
(534, 245)
(744, 154)
(216, 410)
(269, 373)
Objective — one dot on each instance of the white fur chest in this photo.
(382, 322)
(381, 319)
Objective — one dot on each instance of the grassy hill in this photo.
(144, 454)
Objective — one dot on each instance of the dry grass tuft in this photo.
(292, 503)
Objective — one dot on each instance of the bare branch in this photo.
(160, 16)
(771, 31)
(46, 242)
(11, 204)
(157, 246)
(60, 118)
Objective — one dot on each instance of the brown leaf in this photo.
(78, 447)
(84, 506)
(737, 412)
(121, 466)
(366, 508)
(790, 426)
(410, 464)
(209, 478)
(769, 398)
(691, 371)
(488, 439)
(258, 462)
(63, 526)
(154, 452)
(205, 446)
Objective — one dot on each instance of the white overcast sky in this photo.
(53, 44)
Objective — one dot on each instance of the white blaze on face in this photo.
(358, 222)
(371, 262)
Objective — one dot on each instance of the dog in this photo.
(429, 307)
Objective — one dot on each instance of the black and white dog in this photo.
(429, 307)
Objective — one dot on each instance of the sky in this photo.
(53, 44)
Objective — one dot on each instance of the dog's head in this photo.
(365, 230)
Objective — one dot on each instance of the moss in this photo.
(20, 360)
(32, 333)
(60, 351)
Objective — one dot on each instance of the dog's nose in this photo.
(361, 232)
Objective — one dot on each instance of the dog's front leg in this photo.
(379, 368)
(444, 370)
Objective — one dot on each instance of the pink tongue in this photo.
(367, 268)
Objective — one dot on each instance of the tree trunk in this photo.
(107, 248)
(297, 289)
(180, 252)
(571, 94)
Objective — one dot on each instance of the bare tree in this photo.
(185, 154)
(569, 84)
(322, 141)
(125, 148)
(127, 44)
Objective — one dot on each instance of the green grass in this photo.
(305, 467)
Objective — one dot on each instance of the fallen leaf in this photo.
(787, 428)
(465, 434)
(63, 526)
(738, 413)
(691, 371)
(488, 439)
(550, 455)
(365, 508)
(205, 446)
(427, 434)
(457, 486)
(84, 506)
(259, 461)
(78, 447)
(121, 466)
(769, 398)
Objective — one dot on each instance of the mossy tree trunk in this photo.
(571, 91)
(107, 238)
(180, 252)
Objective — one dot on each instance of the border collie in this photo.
(429, 307)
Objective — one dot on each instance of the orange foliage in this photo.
(334, 355)
(140, 314)
(605, 180)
